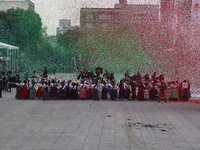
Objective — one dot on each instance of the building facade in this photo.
(64, 25)
(23, 4)
(122, 14)
(99, 18)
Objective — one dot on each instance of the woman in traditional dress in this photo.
(83, 92)
(73, 91)
(146, 90)
(89, 91)
(45, 95)
(62, 90)
(173, 91)
(104, 92)
(53, 90)
(18, 90)
(95, 95)
(67, 89)
(163, 91)
(121, 90)
(25, 93)
(133, 92)
(113, 92)
(168, 90)
(185, 90)
(128, 91)
(32, 89)
(153, 92)
(140, 94)
(40, 90)
(99, 88)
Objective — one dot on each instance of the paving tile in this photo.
(98, 125)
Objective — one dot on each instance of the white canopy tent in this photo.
(7, 46)
(10, 60)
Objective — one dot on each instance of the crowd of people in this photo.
(6, 81)
(97, 86)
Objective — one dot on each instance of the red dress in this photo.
(24, 94)
(89, 93)
(83, 94)
(40, 92)
(53, 92)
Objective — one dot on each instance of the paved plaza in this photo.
(98, 125)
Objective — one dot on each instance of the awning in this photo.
(10, 60)
(7, 46)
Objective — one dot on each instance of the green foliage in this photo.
(114, 50)
(22, 28)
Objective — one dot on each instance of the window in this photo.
(88, 16)
(104, 25)
(89, 25)
(104, 16)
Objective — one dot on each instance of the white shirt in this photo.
(185, 85)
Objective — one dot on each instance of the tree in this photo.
(115, 50)
(22, 28)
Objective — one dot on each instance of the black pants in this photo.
(0, 92)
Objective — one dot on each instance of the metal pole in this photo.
(7, 61)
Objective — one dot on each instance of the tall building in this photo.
(64, 25)
(23, 4)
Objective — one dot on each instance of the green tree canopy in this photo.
(115, 50)
(22, 28)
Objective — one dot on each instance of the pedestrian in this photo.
(1, 86)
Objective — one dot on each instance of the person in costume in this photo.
(104, 91)
(185, 89)
(67, 89)
(45, 95)
(121, 89)
(146, 90)
(83, 91)
(89, 90)
(168, 90)
(40, 90)
(140, 94)
(113, 92)
(53, 90)
(133, 91)
(62, 90)
(74, 91)
(163, 90)
(173, 91)
(18, 90)
(127, 90)
(95, 94)
(32, 89)
(25, 92)
(99, 88)
(154, 92)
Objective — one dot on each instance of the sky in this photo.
(52, 10)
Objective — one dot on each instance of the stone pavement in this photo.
(98, 125)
